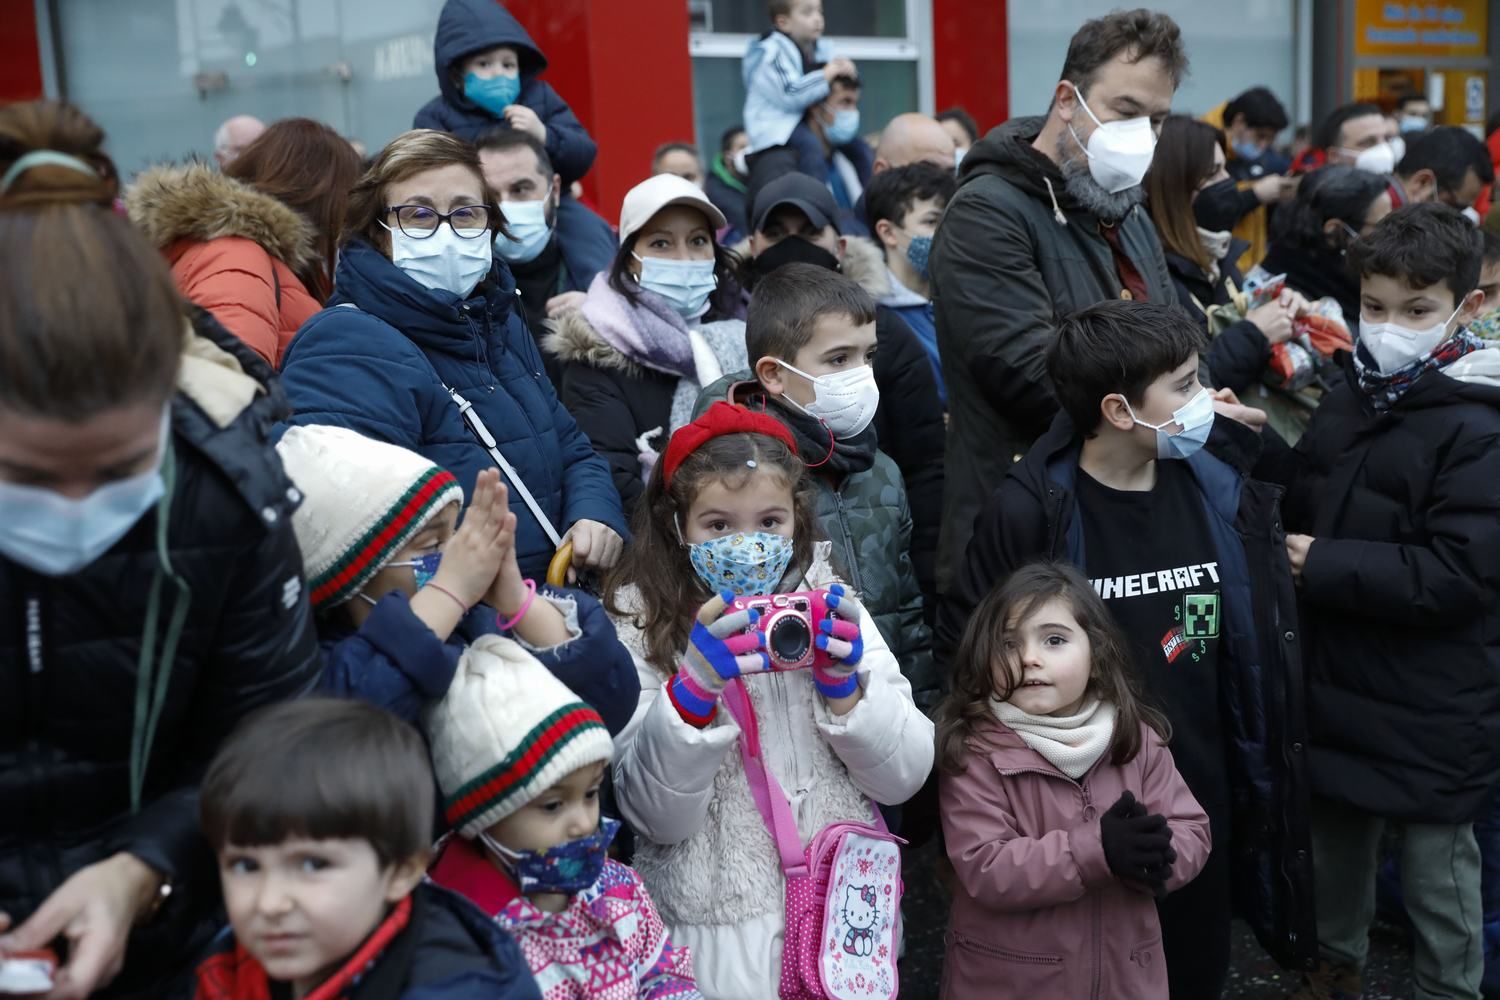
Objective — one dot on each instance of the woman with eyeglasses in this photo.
(421, 311)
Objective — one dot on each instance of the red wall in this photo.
(624, 69)
(971, 58)
(20, 60)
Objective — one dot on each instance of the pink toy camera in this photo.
(790, 623)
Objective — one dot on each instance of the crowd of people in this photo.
(417, 585)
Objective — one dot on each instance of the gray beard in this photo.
(1082, 187)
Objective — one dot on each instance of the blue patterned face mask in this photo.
(568, 868)
(423, 567)
(747, 565)
(917, 253)
(495, 94)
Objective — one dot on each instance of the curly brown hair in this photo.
(656, 560)
(1112, 676)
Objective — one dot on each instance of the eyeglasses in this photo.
(468, 222)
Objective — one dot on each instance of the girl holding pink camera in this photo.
(735, 763)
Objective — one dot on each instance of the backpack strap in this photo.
(772, 802)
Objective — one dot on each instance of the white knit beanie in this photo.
(505, 732)
(363, 501)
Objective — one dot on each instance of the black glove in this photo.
(1137, 847)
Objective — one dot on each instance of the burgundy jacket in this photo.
(1038, 913)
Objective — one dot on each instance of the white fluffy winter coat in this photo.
(703, 850)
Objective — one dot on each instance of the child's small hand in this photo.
(523, 119)
(1297, 548)
(471, 559)
(508, 591)
(719, 650)
(839, 636)
(839, 66)
(1136, 846)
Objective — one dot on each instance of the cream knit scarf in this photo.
(1071, 742)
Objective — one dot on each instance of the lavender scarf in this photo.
(650, 334)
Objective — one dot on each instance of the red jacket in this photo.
(233, 250)
(1039, 914)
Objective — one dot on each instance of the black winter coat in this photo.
(69, 648)
(1015, 254)
(1238, 356)
(1402, 628)
(1033, 516)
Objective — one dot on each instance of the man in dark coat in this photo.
(1047, 220)
(1394, 528)
(1187, 554)
(553, 258)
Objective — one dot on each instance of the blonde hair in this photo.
(409, 154)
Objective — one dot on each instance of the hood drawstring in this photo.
(154, 674)
(1057, 212)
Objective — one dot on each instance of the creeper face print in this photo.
(1200, 616)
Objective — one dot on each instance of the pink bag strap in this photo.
(775, 809)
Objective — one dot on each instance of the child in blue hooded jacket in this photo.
(489, 70)
(400, 589)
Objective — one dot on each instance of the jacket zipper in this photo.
(31, 697)
(856, 578)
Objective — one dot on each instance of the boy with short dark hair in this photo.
(1394, 533)
(320, 812)
(810, 335)
(903, 206)
(1181, 546)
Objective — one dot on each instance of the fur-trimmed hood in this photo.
(574, 340)
(196, 202)
(864, 262)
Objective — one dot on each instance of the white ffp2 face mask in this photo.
(1120, 152)
(1394, 347)
(1378, 159)
(844, 401)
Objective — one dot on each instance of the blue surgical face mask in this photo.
(1195, 417)
(495, 94)
(527, 222)
(844, 128)
(443, 261)
(424, 568)
(918, 252)
(1248, 150)
(685, 284)
(56, 535)
(568, 869)
(748, 565)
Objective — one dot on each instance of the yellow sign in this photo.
(1455, 28)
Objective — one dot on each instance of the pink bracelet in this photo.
(505, 625)
(449, 593)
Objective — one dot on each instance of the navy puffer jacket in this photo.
(380, 369)
(469, 26)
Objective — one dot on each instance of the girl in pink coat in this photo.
(1064, 814)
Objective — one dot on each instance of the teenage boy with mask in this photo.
(810, 335)
(902, 207)
(794, 219)
(1184, 550)
(553, 256)
(1394, 534)
(1047, 220)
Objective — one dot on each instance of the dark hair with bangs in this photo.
(321, 768)
(1423, 245)
(1117, 346)
(1260, 108)
(668, 592)
(985, 646)
(891, 193)
(787, 304)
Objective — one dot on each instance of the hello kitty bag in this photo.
(843, 895)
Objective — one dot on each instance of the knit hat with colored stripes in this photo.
(506, 731)
(363, 501)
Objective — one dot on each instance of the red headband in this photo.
(721, 419)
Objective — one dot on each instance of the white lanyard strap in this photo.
(471, 417)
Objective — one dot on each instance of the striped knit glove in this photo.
(719, 650)
(840, 638)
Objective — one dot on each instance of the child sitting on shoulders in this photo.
(1065, 816)
(319, 811)
(520, 760)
